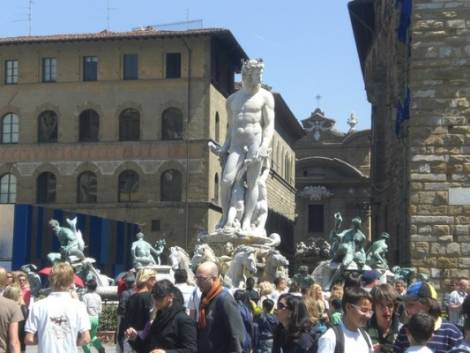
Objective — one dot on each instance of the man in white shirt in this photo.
(181, 282)
(350, 334)
(456, 299)
(58, 323)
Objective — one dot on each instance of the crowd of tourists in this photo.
(359, 314)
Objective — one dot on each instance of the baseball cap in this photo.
(420, 290)
(370, 276)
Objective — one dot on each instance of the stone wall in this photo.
(439, 138)
(418, 165)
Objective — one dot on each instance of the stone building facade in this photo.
(415, 58)
(117, 125)
(332, 175)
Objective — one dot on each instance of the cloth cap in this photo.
(370, 276)
(420, 290)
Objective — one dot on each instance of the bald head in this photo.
(206, 275)
(208, 269)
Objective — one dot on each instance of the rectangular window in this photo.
(173, 65)
(49, 66)
(315, 219)
(90, 68)
(131, 67)
(11, 72)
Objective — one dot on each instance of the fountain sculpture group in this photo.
(239, 244)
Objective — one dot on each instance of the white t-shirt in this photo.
(186, 290)
(418, 349)
(57, 320)
(194, 302)
(455, 315)
(354, 341)
(93, 303)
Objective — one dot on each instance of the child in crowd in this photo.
(420, 330)
(93, 305)
(266, 323)
(337, 313)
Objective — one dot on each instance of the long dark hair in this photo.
(164, 287)
(299, 321)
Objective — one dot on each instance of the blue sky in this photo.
(307, 45)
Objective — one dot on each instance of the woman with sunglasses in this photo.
(292, 335)
(171, 330)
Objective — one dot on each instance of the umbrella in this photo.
(46, 271)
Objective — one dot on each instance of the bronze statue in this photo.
(377, 253)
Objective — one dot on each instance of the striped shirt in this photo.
(446, 337)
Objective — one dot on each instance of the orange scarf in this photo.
(205, 300)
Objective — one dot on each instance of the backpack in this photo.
(339, 346)
(247, 335)
(316, 332)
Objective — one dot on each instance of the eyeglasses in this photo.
(281, 306)
(201, 278)
(364, 311)
(389, 306)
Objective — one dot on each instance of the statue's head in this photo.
(139, 235)
(384, 235)
(303, 270)
(54, 224)
(356, 222)
(228, 248)
(252, 72)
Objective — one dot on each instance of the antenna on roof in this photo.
(108, 14)
(30, 16)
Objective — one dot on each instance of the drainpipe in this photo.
(186, 139)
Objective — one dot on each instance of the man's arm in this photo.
(30, 339)
(84, 338)
(268, 122)
(228, 136)
(235, 324)
(13, 340)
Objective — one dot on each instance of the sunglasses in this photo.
(281, 306)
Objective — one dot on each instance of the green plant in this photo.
(108, 317)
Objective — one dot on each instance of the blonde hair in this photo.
(61, 276)
(143, 276)
(3, 277)
(13, 292)
(265, 288)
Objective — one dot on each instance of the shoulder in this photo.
(450, 329)
(329, 335)
(268, 96)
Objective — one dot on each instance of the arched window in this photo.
(8, 188)
(47, 126)
(89, 126)
(216, 188)
(170, 185)
(128, 186)
(87, 186)
(46, 188)
(172, 124)
(217, 127)
(129, 125)
(9, 128)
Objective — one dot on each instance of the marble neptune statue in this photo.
(245, 154)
